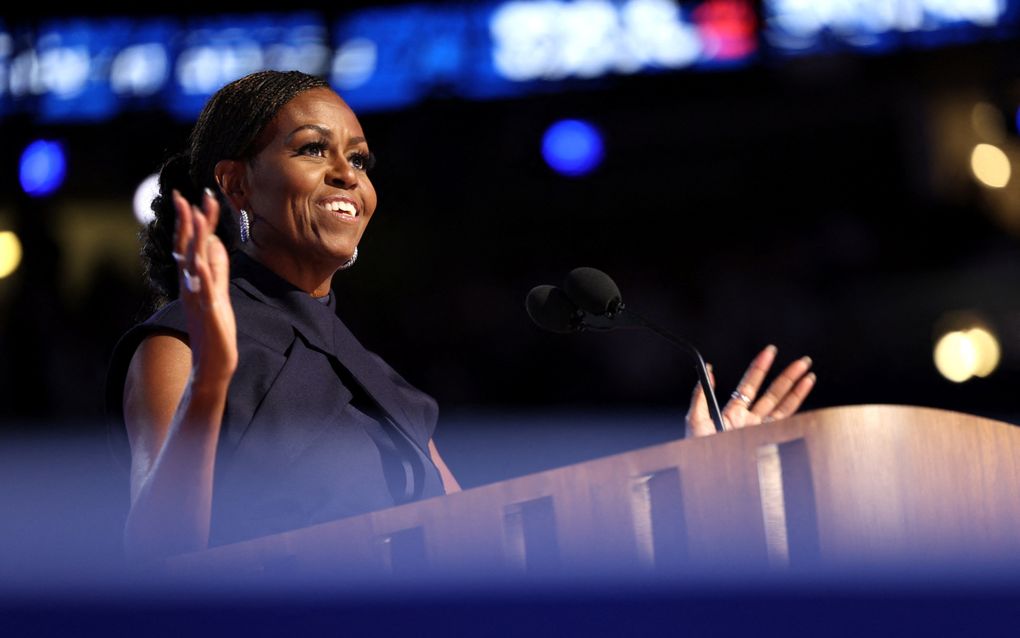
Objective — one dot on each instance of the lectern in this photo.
(839, 487)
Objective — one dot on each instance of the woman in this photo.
(248, 406)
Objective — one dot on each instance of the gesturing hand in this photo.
(782, 398)
(203, 270)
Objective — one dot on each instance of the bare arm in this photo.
(450, 483)
(173, 426)
(174, 397)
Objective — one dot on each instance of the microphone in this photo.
(593, 291)
(591, 300)
(549, 307)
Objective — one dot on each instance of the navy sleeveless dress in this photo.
(315, 428)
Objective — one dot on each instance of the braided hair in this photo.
(227, 128)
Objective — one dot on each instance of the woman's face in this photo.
(309, 182)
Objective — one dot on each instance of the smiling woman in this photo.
(247, 407)
(306, 192)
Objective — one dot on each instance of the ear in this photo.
(232, 178)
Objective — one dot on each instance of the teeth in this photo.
(346, 207)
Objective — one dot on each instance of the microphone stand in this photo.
(630, 319)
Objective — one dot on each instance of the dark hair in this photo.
(227, 128)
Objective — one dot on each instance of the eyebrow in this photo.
(325, 132)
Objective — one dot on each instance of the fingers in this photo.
(787, 383)
(793, 400)
(184, 234)
(747, 389)
(200, 256)
(183, 229)
(216, 252)
(211, 207)
(751, 382)
(699, 421)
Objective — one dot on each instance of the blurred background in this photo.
(831, 177)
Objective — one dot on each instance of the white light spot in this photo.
(144, 194)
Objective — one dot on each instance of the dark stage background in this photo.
(823, 203)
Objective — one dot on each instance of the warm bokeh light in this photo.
(144, 194)
(990, 165)
(10, 253)
(963, 354)
(988, 122)
(955, 357)
(988, 350)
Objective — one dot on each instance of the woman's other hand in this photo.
(745, 406)
(203, 269)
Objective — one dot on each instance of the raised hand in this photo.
(203, 270)
(745, 407)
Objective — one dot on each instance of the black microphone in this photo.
(550, 308)
(593, 291)
(590, 299)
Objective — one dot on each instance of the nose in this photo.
(342, 174)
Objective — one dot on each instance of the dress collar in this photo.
(311, 317)
(284, 305)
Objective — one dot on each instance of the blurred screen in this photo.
(90, 69)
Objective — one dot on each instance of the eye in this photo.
(362, 161)
(317, 148)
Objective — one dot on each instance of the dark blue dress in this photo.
(315, 427)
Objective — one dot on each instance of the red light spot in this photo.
(727, 28)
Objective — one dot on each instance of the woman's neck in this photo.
(301, 273)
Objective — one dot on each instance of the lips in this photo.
(342, 207)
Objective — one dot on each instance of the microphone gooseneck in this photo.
(591, 300)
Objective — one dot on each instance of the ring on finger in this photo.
(740, 396)
(192, 282)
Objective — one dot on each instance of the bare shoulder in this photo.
(160, 359)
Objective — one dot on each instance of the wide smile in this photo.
(343, 208)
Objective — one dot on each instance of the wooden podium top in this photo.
(846, 487)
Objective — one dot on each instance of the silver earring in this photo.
(245, 225)
(350, 262)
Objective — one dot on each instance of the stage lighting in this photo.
(42, 168)
(572, 147)
(990, 165)
(988, 350)
(142, 201)
(988, 122)
(10, 253)
(955, 356)
(963, 354)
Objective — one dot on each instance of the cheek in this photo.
(371, 199)
(290, 192)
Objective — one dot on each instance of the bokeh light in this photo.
(142, 201)
(990, 165)
(42, 168)
(572, 147)
(10, 253)
(988, 122)
(988, 351)
(962, 354)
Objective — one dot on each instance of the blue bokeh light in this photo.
(42, 168)
(572, 147)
